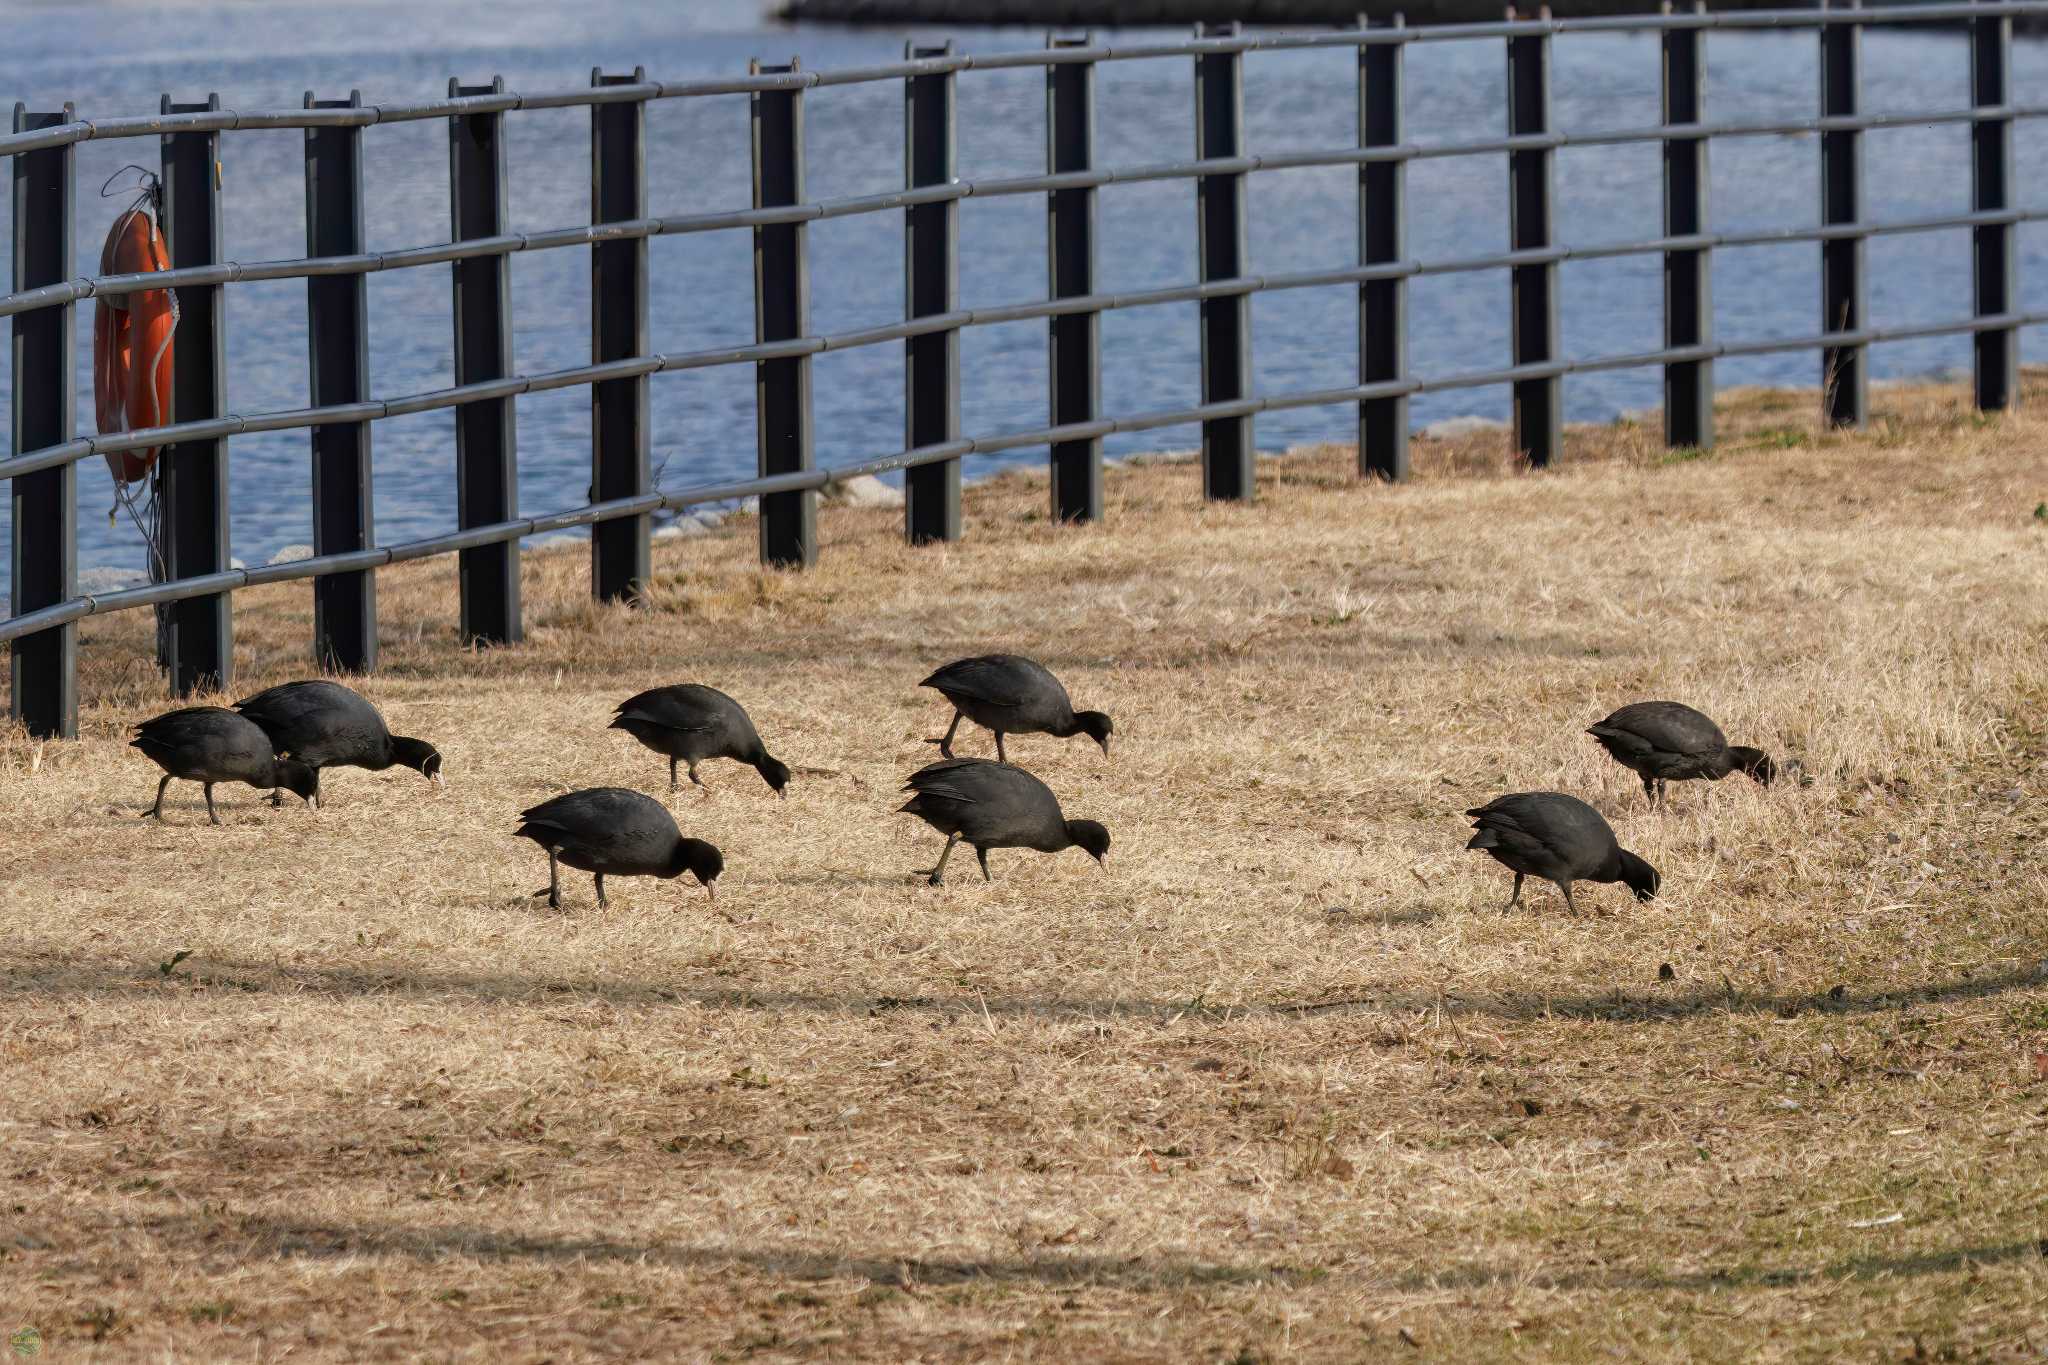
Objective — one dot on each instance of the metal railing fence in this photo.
(195, 639)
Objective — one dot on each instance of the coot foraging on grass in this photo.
(1559, 838)
(324, 725)
(615, 833)
(1665, 741)
(993, 805)
(1012, 695)
(692, 723)
(209, 744)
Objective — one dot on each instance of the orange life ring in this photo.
(131, 343)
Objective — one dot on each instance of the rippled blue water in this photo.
(111, 59)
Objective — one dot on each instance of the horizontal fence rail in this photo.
(195, 630)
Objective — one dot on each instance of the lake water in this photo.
(116, 59)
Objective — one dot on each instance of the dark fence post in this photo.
(195, 640)
(931, 276)
(1844, 376)
(486, 459)
(621, 558)
(44, 696)
(1539, 410)
(1382, 240)
(1227, 449)
(1075, 357)
(1996, 349)
(785, 442)
(338, 351)
(1688, 281)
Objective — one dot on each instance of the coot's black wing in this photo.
(612, 824)
(320, 723)
(1549, 826)
(206, 739)
(1000, 680)
(1663, 726)
(688, 706)
(993, 802)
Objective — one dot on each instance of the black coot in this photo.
(1012, 695)
(209, 744)
(692, 723)
(615, 833)
(324, 725)
(1666, 741)
(1559, 838)
(993, 805)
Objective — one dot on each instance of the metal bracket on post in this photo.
(1228, 452)
(44, 673)
(338, 347)
(1074, 361)
(1382, 240)
(1996, 350)
(1845, 379)
(782, 312)
(931, 277)
(1539, 409)
(1688, 280)
(196, 641)
(486, 459)
(621, 555)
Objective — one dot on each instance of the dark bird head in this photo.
(298, 779)
(775, 773)
(1755, 762)
(1091, 836)
(1096, 726)
(1640, 876)
(422, 757)
(701, 860)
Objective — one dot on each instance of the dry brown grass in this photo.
(1283, 1084)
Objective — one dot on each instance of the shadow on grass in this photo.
(1733, 1277)
(112, 977)
(286, 1238)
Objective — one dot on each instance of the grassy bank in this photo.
(1283, 1083)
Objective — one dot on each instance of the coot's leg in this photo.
(553, 890)
(1650, 789)
(211, 813)
(1001, 757)
(1514, 898)
(937, 876)
(982, 855)
(1663, 792)
(156, 812)
(674, 785)
(946, 744)
(698, 780)
(276, 797)
(602, 903)
(1569, 903)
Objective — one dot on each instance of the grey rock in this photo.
(292, 554)
(747, 507)
(865, 490)
(106, 578)
(554, 541)
(1167, 456)
(682, 528)
(1457, 428)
